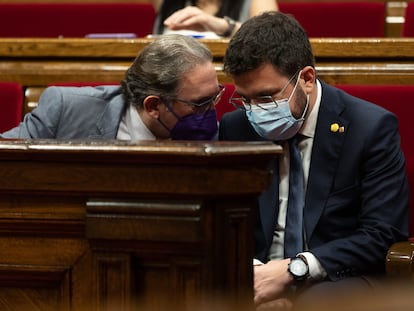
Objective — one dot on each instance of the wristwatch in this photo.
(298, 268)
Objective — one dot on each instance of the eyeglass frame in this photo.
(206, 103)
(246, 104)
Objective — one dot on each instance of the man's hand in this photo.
(271, 281)
(193, 18)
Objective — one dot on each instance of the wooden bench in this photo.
(36, 63)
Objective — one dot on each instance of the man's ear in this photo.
(309, 76)
(151, 105)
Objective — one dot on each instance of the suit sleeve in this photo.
(378, 200)
(43, 121)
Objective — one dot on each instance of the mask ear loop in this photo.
(169, 109)
(302, 118)
(296, 84)
(306, 108)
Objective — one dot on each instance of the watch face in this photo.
(298, 268)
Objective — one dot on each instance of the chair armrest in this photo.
(399, 260)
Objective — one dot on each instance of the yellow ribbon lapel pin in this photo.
(336, 128)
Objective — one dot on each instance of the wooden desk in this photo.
(120, 226)
(38, 62)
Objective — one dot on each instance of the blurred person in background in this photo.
(207, 18)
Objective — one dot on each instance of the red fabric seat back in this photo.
(399, 100)
(11, 105)
(75, 19)
(408, 26)
(339, 19)
(223, 105)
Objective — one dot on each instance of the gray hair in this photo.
(157, 70)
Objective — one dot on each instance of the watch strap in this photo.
(232, 24)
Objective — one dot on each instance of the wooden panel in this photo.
(43, 245)
(105, 226)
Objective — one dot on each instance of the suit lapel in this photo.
(327, 149)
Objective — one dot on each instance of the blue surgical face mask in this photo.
(274, 120)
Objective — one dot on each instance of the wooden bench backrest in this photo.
(74, 19)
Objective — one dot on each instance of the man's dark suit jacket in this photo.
(357, 194)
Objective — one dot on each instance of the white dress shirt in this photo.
(132, 127)
(316, 271)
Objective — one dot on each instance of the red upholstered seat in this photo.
(339, 19)
(75, 19)
(224, 106)
(408, 26)
(11, 105)
(399, 100)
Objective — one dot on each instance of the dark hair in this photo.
(272, 37)
(160, 66)
(230, 8)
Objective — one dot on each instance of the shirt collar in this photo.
(134, 128)
(309, 126)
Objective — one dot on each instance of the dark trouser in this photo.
(349, 294)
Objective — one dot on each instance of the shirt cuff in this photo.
(316, 271)
(257, 262)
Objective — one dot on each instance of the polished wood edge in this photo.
(363, 47)
(196, 148)
(116, 48)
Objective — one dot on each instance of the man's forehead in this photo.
(199, 76)
(265, 70)
(262, 79)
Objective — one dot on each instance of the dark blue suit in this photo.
(357, 194)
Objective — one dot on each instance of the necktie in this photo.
(296, 202)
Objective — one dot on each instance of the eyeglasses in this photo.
(244, 103)
(203, 105)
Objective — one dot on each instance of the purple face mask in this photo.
(196, 127)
